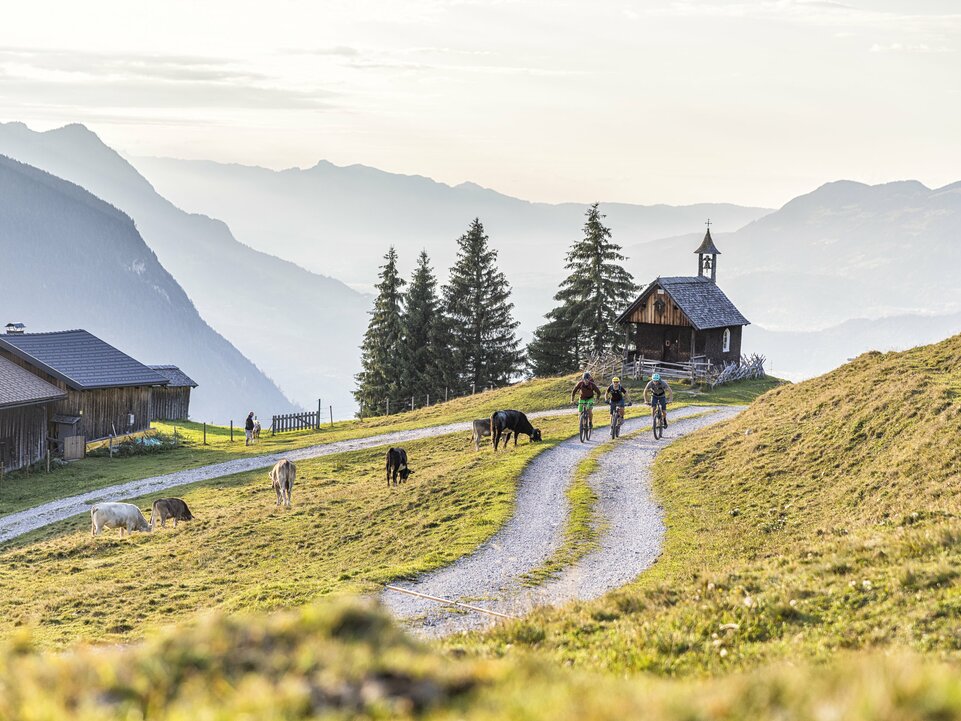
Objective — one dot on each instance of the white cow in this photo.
(117, 515)
(282, 477)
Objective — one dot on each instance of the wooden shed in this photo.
(107, 389)
(688, 318)
(172, 401)
(25, 411)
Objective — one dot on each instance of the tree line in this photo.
(428, 342)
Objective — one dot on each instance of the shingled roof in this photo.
(176, 377)
(81, 360)
(20, 387)
(699, 298)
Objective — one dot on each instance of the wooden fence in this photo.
(295, 422)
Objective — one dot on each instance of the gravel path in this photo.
(491, 577)
(17, 524)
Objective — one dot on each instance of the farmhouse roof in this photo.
(176, 377)
(20, 387)
(699, 298)
(81, 360)
(707, 246)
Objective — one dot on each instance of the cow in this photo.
(164, 508)
(282, 477)
(397, 465)
(256, 430)
(482, 429)
(117, 515)
(502, 423)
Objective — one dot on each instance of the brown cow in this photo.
(164, 508)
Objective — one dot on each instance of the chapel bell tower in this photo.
(707, 254)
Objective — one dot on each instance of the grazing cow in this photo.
(504, 422)
(282, 477)
(256, 430)
(164, 508)
(482, 429)
(117, 515)
(397, 465)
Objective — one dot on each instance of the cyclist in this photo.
(660, 394)
(616, 395)
(588, 390)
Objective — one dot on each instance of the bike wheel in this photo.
(587, 423)
(583, 428)
(658, 430)
(613, 428)
(617, 429)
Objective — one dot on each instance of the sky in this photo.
(643, 102)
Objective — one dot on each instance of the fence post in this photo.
(231, 431)
(473, 388)
(205, 433)
(331, 415)
(445, 393)
(428, 399)
(319, 410)
(412, 402)
(388, 407)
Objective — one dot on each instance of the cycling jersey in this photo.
(587, 389)
(657, 388)
(617, 394)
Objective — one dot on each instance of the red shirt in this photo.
(588, 389)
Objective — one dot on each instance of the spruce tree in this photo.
(378, 379)
(590, 300)
(420, 366)
(481, 330)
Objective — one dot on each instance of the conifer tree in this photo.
(378, 379)
(481, 330)
(590, 300)
(421, 374)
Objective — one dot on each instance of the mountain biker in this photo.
(616, 395)
(588, 390)
(660, 394)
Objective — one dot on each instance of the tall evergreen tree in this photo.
(382, 345)
(421, 374)
(590, 300)
(481, 329)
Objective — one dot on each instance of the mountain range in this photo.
(300, 327)
(71, 260)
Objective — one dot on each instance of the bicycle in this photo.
(585, 424)
(658, 421)
(617, 420)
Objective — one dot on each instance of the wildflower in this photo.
(723, 652)
(748, 601)
(710, 586)
(866, 585)
(793, 603)
(716, 642)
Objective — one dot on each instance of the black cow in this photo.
(505, 422)
(397, 465)
(164, 508)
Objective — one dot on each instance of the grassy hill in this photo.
(825, 518)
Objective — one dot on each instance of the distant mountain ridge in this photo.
(302, 328)
(72, 260)
(341, 220)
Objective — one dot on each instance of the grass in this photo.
(339, 661)
(25, 489)
(824, 519)
(347, 532)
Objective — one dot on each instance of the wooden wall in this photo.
(23, 432)
(647, 313)
(102, 409)
(169, 404)
(649, 342)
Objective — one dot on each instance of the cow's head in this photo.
(404, 473)
(536, 435)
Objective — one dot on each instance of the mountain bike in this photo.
(658, 421)
(585, 424)
(617, 420)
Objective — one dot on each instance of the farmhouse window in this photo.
(726, 341)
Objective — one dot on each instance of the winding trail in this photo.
(17, 524)
(632, 521)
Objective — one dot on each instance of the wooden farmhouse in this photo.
(107, 392)
(686, 319)
(172, 401)
(26, 407)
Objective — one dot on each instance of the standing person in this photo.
(588, 390)
(658, 393)
(249, 429)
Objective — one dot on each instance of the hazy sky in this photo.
(676, 102)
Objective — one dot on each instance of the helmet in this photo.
(615, 379)
(656, 377)
(587, 376)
